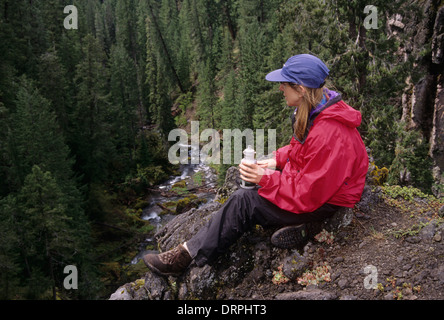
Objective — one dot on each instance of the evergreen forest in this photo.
(85, 112)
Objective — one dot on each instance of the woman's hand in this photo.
(267, 164)
(251, 172)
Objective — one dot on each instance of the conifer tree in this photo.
(124, 94)
(252, 49)
(35, 138)
(158, 69)
(9, 254)
(47, 229)
(47, 150)
(128, 36)
(54, 87)
(4, 141)
(105, 25)
(93, 144)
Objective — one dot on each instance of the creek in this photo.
(199, 178)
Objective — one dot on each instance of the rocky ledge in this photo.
(384, 248)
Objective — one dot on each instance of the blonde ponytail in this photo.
(310, 99)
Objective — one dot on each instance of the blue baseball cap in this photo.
(304, 69)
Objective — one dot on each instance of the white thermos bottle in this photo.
(248, 158)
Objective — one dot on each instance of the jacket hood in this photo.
(332, 108)
(338, 110)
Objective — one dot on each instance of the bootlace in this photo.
(170, 256)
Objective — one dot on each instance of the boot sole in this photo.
(290, 237)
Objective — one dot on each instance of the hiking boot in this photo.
(170, 263)
(290, 237)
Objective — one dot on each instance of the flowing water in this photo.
(152, 212)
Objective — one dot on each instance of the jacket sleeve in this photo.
(281, 156)
(328, 165)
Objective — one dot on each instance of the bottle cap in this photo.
(249, 153)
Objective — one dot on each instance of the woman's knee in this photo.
(247, 200)
(246, 193)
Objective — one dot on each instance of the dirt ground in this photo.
(394, 253)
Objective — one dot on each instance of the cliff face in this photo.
(248, 263)
(423, 99)
(382, 249)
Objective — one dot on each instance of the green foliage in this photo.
(151, 175)
(10, 267)
(183, 103)
(412, 231)
(407, 193)
(198, 178)
(93, 143)
(43, 235)
(145, 177)
(411, 157)
(34, 118)
(180, 188)
(45, 217)
(385, 129)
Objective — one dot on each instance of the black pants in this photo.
(242, 211)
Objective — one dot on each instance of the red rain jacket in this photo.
(329, 166)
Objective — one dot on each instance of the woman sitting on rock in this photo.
(321, 170)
